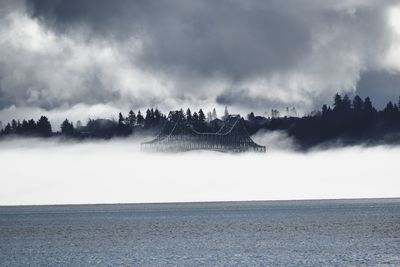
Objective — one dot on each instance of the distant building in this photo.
(180, 136)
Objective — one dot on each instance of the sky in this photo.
(94, 58)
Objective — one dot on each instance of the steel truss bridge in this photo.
(180, 136)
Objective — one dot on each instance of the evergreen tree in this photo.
(7, 129)
(325, 110)
(44, 127)
(200, 124)
(157, 117)
(390, 111)
(396, 109)
(19, 129)
(140, 119)
(189, 115)
(122, 128)
(368, 107)
(358, 104)
(202, 117)
(32, 127)
(131, 119)
(175, 116)
(67, 128)
(398, 103)
(346, 103)
(337, 102)
(389, 107)
(148, 118)
(251, 116)
(121, 119)
(14, 126)
(195, 117)
(25, 127)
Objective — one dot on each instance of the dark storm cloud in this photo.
(227, 37)
(58, 53)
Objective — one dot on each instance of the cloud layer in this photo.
(57, 55)
(115, 172)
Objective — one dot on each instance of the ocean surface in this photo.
(271, 233)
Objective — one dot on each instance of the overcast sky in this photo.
(95, 57)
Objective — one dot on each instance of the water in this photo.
(276, 233)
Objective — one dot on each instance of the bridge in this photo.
(180, 136)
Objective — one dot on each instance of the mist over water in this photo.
(37, 171)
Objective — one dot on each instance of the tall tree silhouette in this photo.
(44, 127)
(195, 118)
(148, 120)
(325, 110)
(67, 128)
(358, 104)
(122, 128)
(346, 103)
(337, 103)
(7, 129)
(369, 109)
(189, 115)
(131, 119)
(202, 117)
(156, 117)
(251, 117)
(140, 119)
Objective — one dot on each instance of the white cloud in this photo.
(392, 56)
(45, 69)
(116, 172)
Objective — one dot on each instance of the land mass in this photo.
(346, 122)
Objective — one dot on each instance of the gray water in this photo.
(275, 233)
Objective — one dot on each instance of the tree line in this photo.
(151, 122)
(42, 128)
(349, 120)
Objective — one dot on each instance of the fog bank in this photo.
(52, 172)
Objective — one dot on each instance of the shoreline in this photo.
(227, 202)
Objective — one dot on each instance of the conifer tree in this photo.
(195, 117)
(67, 128)
(44, 127)
(202, 117)
(139, 118)
(251, 116)
(358, 104)
(337, 102)
(189, 115)
(131, 119)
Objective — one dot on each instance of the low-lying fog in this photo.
(36, 171)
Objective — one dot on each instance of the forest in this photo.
(345, 122)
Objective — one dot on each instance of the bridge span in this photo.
(180, 136)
